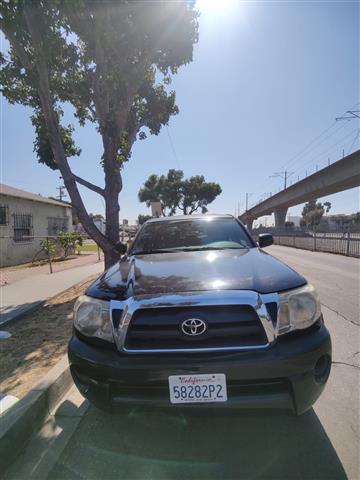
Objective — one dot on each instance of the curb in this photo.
(24, 311)
(28, 414)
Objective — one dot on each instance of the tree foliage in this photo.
(69, 241)
(143, 218)
(112, 62)
(177, 193)
(313, 212)
(48, 245)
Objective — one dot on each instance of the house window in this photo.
(23, 227)
(4, 214)
(56, 225)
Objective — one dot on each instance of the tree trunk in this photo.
(113, 186)
(113, 182)
(47, 104)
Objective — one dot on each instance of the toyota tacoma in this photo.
(197, 314)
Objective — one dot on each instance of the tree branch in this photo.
(89, 185)
(92, 111)
(10, 34)
(47, 105)
(132, 134)
(195, 207)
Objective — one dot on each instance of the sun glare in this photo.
(213, 6)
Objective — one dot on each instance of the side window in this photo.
(4, 215)
(23, 227)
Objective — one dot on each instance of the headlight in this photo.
(299, 309)
(92, 318)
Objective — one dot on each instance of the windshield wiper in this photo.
(184, 249)
(195, 249)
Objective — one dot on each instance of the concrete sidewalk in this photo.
(28, 294)
(9, 275)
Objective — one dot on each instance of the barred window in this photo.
(4, 214)
(23, 227)
(56, 225)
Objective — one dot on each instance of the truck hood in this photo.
(243, 269)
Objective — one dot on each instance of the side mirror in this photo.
(121, 248)
(265, 240)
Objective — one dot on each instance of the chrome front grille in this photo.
(246, 316)
(226, 326)
(236, 320)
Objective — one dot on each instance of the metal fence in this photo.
(344, 243)
(322, 242)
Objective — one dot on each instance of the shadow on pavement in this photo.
(156, 444)
(38, 339)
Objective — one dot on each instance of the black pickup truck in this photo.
(197, 315)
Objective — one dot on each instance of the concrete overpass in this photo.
(339, 176)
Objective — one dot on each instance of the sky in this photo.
(267, 79)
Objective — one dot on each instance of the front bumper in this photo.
(290, 375)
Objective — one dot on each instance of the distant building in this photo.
(98, 219)
(99, 222)
(339, 220)
(295, 219)
(25, 220)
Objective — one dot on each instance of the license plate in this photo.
(198, 388)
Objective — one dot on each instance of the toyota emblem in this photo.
(193, 326)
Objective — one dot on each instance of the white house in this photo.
(25, 220)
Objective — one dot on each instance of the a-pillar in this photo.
(280, 216)
(249, 223)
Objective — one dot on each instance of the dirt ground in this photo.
(38, 341)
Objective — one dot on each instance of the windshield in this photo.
(199, 234)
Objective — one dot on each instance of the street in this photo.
(322, 444)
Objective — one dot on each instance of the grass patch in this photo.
(88, 247)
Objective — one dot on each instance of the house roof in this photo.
(17, 193)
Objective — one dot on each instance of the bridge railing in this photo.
(345, 242)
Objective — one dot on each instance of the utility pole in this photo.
(61, 192)
(247, 201)
(285, 175)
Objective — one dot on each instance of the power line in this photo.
(172, 147)
(351, 115)
(299, 157)
(305, 150)
(353, 143)
(328, 150)
(317, 141)
(247, 200)
(61, 192)
(309, 144)
(285, 175)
